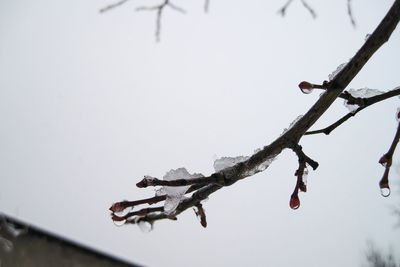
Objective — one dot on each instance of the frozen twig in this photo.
(290, 138)
(362, 102)
(386, 161)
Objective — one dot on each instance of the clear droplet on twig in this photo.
(385, 190)
(119, 222)
(123, 212)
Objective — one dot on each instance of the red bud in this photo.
(294, 202)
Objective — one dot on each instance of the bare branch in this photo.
(350, 13)
(160, 8)
(308, 7)
(283, 9)
(111, 6)
(206, 5)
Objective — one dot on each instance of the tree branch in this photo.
(111, 6)
(291, 137)
(386, 161)
(160, 8)
(362, 102)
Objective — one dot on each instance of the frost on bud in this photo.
(306, 87)
(294, 202)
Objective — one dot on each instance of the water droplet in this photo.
(119, 222)
(307, 91)
(294, 203)
(385, 191)
(144, 226)
(123, 212)
(367, 36)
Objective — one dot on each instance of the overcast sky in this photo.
(90, 103)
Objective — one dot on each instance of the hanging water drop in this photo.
(119, 222)
(385, 191)
(123, 212)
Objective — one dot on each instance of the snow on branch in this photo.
(177, 185)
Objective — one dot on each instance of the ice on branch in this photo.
(335, 72)
(226, 162)
(292, 124)
(360, 93)
(176, 193)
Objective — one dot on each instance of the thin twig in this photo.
(160, 8)
(350, 12)
(366, 103)
(386, 161)
(309, 8)
(142, 212)
(111, 6)
(283, 9)
(206, 5)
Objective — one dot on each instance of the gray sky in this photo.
(89, 104)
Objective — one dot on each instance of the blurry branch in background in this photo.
(375, 258)
(159, 9)
(283, 9)
(350, 13)
(111, 6)
(206, 5)
(181, 190)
